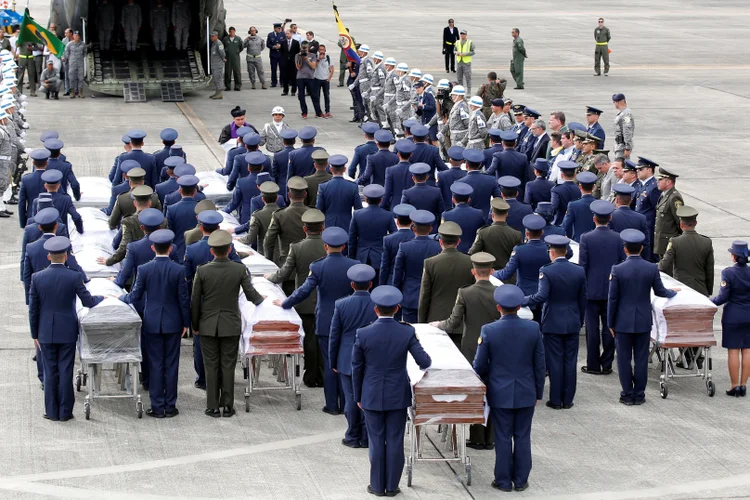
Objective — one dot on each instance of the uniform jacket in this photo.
(499, 239)
(470, 220)
(626, 218)
(336, 199)
(379, 375)
(597, 130)
(490, 152)
(562, 295)
(197, 254)
(475, 307)
(147, 162)
(538, 190)
(689, 258)
(598, 251)
(36, 260)
(646, 202)
(510, 360)
(735, 293)
(240, 169)
(258, 227)
(31, 233)
(579, 219)
(137, 253)
(443, 275)
(525, 262)
(562, 194)
(366, 232)
(300, 162)
(361, 153)
(667, 224)
(397, 179)
(64, 204)
(175, 196)
(180, 218)
(629, 301)
(231, 155)
(391, 244)
(285, 229)
(408, 267)
(484, 187)
(164, 188)
(242, 197)
(161, 283)
(349, 314)
(297, 266)
(270, 136)
(314, 181)
(425, 197)
(31, 186)
(279, 169)
(214, 307)
(69, 178)
(516, 214)
(377, 163)
(446, 180)
(52, 304)
(125, 207)
(328, 276)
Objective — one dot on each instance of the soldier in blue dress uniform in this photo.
(647, 198)
(349, 314)
(176, 196)
(540, 189)
(162, 287)
(170, 184)
(61, 200)
(397, 177)
(629, 315)
(391, 243)
(363, 151)
(300, 160)
(510, 361)
(624, 217)
(54, 326)
(735, 322)
(382, 388)
(598, 251)
(578, 220)
(147, 161)
(509, 187)
(280, 165)
(181, 216)
(426, 153)
(562, 295)
(56, 162)
(368, 227)
(509, 161)
(470, 219)
(594, 127)
(240, 164)
(378, 162)
(452, 174)
(485, 187)
(338, 197)
(423, 196)
(31, 185)
(565, 192)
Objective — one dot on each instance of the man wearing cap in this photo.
(161, 286)
(280, 165)
(593, 125)
(57, 163)
(216, 318)
(131, 228)
(526, 260)
(195, 234)
(261, 217)
(497, 118)
(350, 314)
(629, 315)
(624, 217)
(509, 190)
(409, 263)
(448, 177)
(124, 205)
(180, 171)
(139, 250)
(378, 162)
(363, 151)
(247, 187)
(630, 177)
(240, 165)
(470, 219)
(168, 138)
(426, 153)
(274, 41)
(477, 126)
(577, 219)
(510, 360)
(499, 238)
(565, 192)
(296, 268)
(599, 250)
(329, 277)
(647, 198)
(423, 196)
(301, 163)
(689, 257)
(26, 64)
(442, 277)
(484, 186)
(61, 201)
(338, 197)
(115, 173)
(397, 177)
(51, 82)
(181, 216)
(562, 296)
(540, 189)
(369, 226)
(31, 185)
(218, 58)
(480, 296)
(382, 388)
(147, 161)
(170, 185)
(457, 124)
(54, 325)
(232, 129)
(33, 230)
(624, 126)
(392, 242)
(286, 224)
(667, 224)
(509, 162)
(425, 107)
(318, 177)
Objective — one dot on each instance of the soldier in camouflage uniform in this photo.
(6, 151)
(74, 55)
(477, 127)
(667, 224)
(131, 21)
(254, 45)
(689, 257)
(415, 75)
(218, 58)
(377, 83)
(457, 125)
(261, 220)
(498, 118)
(388, 104)
(160, 26)
(181, 17)
(493, 89)
(362, 80)
(586, 158)
(403, 96)
(624, 127)
(105, 23)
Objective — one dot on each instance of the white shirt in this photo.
(278, 126)
(555, 175)
(298, 37)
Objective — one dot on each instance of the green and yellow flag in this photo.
(31, 32)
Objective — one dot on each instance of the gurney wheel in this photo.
(87, 410)
(663, 391)
(139, 409)
(79, 380)
(247, 403)
(710, 388)
(408, 475)
(298, 400)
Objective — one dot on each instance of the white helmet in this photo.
(458, 90)
(377, 55)
(427, 78)
(444, 84)
(476, 101)
(402, 67)
(416, 72)
(278, 110)
(364, 48)
(390, 61)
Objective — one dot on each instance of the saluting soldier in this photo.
(216, 317)
(667, 223)
(443, 275)
(689, 257)
(479, 299)
(499, 238)
(297, 266)
(624, 127)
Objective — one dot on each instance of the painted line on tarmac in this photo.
(9, 482)
(203, 132)
(54, 490)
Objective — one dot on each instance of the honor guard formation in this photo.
(511, 232)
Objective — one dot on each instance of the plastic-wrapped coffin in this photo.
(266, 328)
(111, 331)
(685, 319)
(215, 187)
(96, 241)
(95, 192)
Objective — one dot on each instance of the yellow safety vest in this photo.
(463, 47)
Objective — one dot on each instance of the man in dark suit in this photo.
(629, 315)
(541, 141)
(450, 36)
(381, 387)
(54, 326)
(161, 284)
(562, 295)
(351, 313)
(510, 360)
(289, 48)
(540, 189)
(598, 251)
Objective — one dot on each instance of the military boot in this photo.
(253, 86)
(219, 94)
(263, 85)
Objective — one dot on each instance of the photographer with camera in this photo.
(306, 62)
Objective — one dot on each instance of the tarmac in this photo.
(684, 70)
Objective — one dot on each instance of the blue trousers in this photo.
(59, 361)
(512, 428)
(332, 391)
(356, 432)
(275, 68)
(200, 370)
(164, 366)
(117, 239)
(40, 365)
(562, 358)
(385, 430)
(598, 334)
(632, 347)
(410, 315)
(145, 365)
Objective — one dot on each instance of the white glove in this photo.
(25, 126)
(23, 141)
(440, 136)
(373, 98)
(351, 87)
(440, 122)
(23, 135)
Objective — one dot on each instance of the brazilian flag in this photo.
(31, 32)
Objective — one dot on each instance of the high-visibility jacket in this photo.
(463, 47)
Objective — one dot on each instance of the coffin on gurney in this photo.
(216, 190)
(95, 192)
(266, 328)
(96, 241)
(685, 320)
